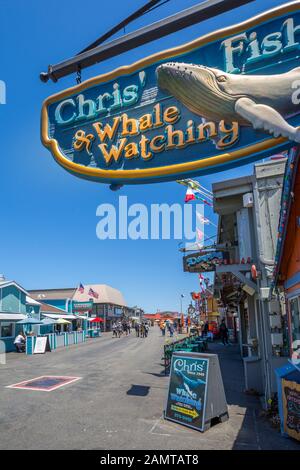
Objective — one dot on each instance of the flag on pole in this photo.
(81, 288)
(189, 196)
(93, 293)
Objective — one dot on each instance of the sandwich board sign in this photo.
(41, 345)
(223, 100)
(196, 393)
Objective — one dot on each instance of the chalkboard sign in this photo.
(291, 408)
(41, 345)
(196, 393)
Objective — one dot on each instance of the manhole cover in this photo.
(45, 383)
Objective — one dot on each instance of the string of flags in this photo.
(196, 191)
(204, 220)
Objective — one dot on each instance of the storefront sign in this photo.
(291, 408)
(223, 100)
(198, 263)
(82, 306)
(187, 391)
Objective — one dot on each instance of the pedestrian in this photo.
(125, 329)
(163, 329)
(137, 329)
(128, 327)
(146, 330)
(171, 330)
(205, 329)
(114, 330)
(119, 329)
(224, 332)
(142, 330)
(19, 342)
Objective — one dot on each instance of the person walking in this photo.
(137, 329)
(224, 332)
(205, 329)
(163, 329)
(114, 330)
(119, 329)
(125, 329)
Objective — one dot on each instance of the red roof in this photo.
(161, 315)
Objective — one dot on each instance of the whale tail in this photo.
(266, 118)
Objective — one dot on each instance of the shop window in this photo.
(295, 324)
(6, 330)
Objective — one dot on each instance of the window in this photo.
(6, 330)
(295, 324)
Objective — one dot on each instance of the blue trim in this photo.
(292, 281)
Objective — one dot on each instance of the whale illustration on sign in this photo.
(261, 101)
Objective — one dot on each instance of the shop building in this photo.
(15, 305)
(287, 259)
(248, 209)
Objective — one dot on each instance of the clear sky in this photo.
(48, 217)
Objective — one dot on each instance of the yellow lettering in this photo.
(231, 134)
(130, 126)
(145, 122)
(174, 134)
(108, 131)
(171, 115)
(157, 148)
(114, 152)
(207, 130)
(131, 150)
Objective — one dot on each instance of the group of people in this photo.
(119, 328)
(167, 326)
(141, 329)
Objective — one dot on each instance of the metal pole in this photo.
(157, 30)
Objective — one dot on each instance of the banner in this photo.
(221, 101)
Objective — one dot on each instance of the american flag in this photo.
(81, 288)
(93, 293)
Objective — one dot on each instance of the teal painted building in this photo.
(15, 305)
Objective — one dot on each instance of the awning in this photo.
(12, 316)
(55, 316)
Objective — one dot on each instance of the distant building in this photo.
(106, 302)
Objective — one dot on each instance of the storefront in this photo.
(287, 268)
(13, 308)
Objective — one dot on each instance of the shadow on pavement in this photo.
(138, 390)
(256, 431)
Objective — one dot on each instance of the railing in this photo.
(57, 340)
(188, 344)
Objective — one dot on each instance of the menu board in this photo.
(291, 408)
(41, 345)
(187, 390)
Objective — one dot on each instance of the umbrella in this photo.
(62, 321)
(30, 321)
(96, 320)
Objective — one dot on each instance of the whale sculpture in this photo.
(263, 101)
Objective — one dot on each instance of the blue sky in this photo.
(48, 217)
